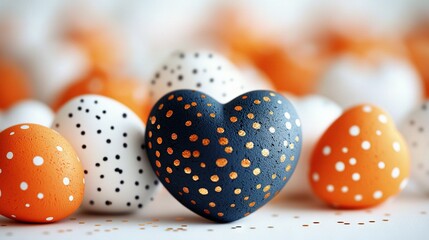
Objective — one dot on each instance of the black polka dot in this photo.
(128, 204)
(124, 115)
(82, 100)
(136, 183)
(82, 133)
(139, 158)
(122, 182)
(95, 102)
(98, 131)
(101, 176)
(182, 55)
(70, 115)
(125, 145)
(91, 202)
(124, 134)
(99, 189)
(169, 84)
(57, 125)
(147, 187)
(141, 171)
(195, 71)
(84, 146)
(118, 157)
(196, 55)
(112, 128)
(87, 110)
(108, 203)
(198, 85)
(108, 141)
(140, 205)
(78, 125)
(97, 164)
(105, 159)
(180, 77)
(79, 108)
(137, 197)
(117, 190)
(85, 171)
(98, 117)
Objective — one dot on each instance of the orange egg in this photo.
(41, 177)
(129, 92)
(360, 161)
(14, 86)
(418, 47)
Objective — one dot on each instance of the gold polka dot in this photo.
(206, 211)
(186, 154)
(203, 191)
(195, 178)
(256, 125)
(228, 149)
(288, 167)
(296, 139)
(273, 176)
(244, 97)
(272, 94)
(185, 190)
(233, 119)
(238, 108)
(212, 115)
(247, 214)
(203, 96)
(292, 146)
(282, 158)
(284, 178)
(158, 126)
(168, 169)
(218, 189)
(258, 186)
(237, 191)
(249, 145)
(193, 137)
(252, 204)
(233, 175)
(159, 140)
(171, 97)
(157, 153)
(188, 123)
(187, 170)
(220, 214)
(267, 188)
(267, 195)
(158, 163)
(169, 113)
(179, 99)
(292, 157)
(161, 106)
(173, 136)
(193, 104)
(245, 163)
(193, 202)
(271, 112)
(167, 180)
(257, 101)
(150, 134)
(250, 116)
(223, 141)
(196, 153)
(246, 198)
(241, 133)
(209, 105)
(214, 178)
(176, 162)
(220, 130)
(187, 106)
(256, 171)
(212, 204)
(221, 162)
(265, 152)
(153, 119)
(232, 205)
(149, 144)
(266, 99)
(202, 165)
(199, 114)
(206, 141)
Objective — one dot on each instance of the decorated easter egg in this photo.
(223, 162)
(41, 177)
(317, 113)
(200, 70)
(29, 111)
(129, 92)
(391, 83)
(109, 139)
(418, 46)
(14, 85)
(414, 130)
(360, 161)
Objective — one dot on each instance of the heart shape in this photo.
(223, 162)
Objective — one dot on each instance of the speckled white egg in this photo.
(317, 114)
(109, 140)
(391, 83)
(28, 111)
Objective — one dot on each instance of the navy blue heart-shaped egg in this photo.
(223, 162)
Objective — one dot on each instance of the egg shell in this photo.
(223, 162)
(361, 160)
(14, 85)
(201, 70)
(28, 111)
(415, 133)
(389, 82)
(129, 92)
(317, 113)
(109, 138)
(41, 177)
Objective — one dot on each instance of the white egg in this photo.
(415, 130)
(109, 139)
(317, 114)
(390, 83)
(200, 70)
(28, 111)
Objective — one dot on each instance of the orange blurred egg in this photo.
(129, 92)
(418, 47)
(360, 161)
(41, 177)
(14, 85)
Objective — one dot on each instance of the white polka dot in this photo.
(13, 216)
(66, 181)
(272, 130)
(378, 132)
(352, 161)
(27, 205)
(366, 145)
(285, 143)
(23, 186)
(367, 108)
(25, 127)
(0, 193)
(38, 161)
(287, 115)
(49, 219)
(377, 195)
(288, 125)
(9, 155)
(381, 165)
(279, 101)
(12, 133)
(395, 172)
(316, 177)
(298, 123)
(396, 147)
(1, 171)
(403, 184)
(358, 197)
(354, 131)
(330, 188)
(326, 150)
(40, 196)
(59, 148)
(356, 177)
(344, 189)
(345, 150)
(71, 198)
(382, 118)
(339, 166)
(83, 180)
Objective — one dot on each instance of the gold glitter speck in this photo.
(249, 145)
(171, 97)
(237, 191)
(193, 137)
(220, 130)
(206, 141)
(187, 170)
(187, 106)
(256, 125)
(238, 108)
(267, 188)
(169, 113)
(228, 149)
(159, 140)
(221, 162)
(218, 189)
(233, 175)
(245, 163)
(214, 178)
(223, 141)
(203, 191)
(241, 133)
(188, 123)
(173, 136)
(252, 204)
(186, 154)
(212, 204)
(176, 162)
(256, 171)
(257, 101)
(233, 119)
(250, 116)
(185, 190)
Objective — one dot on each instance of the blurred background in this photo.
(50, 49)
